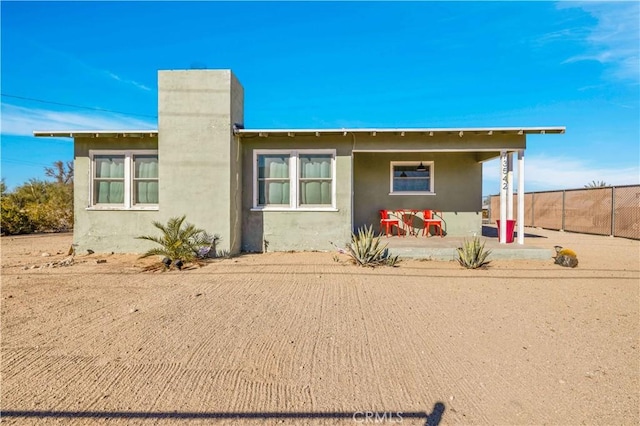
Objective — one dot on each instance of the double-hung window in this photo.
(124, 179)
(411, 178)
(294, 179)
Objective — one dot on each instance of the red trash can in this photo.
(511, 226)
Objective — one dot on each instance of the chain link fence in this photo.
(613, 210)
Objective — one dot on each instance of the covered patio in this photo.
(436, 248)
(438, 170)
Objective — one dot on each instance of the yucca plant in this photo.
(178, 244)
(365, 249)
(472, 254)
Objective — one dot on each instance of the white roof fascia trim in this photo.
(508, 149)
(93, 133)
(550, 129)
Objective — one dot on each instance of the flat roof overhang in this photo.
(404, 131)
(317, 132)
(95, 133)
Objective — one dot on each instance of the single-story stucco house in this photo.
(290, 189)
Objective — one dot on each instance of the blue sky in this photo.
(334, 65)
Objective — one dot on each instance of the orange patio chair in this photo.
(388, 223)
(430, 220)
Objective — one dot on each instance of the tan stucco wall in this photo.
(479, 142)
(198, 152)
(108, 231)
(199, 165)
(458, 174)
(457, 186)
(235, 183)
(206, 172)
(296, 230)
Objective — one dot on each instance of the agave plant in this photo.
(472, 254)
(365, 249)
(178, 244)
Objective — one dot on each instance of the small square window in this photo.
(411, 177)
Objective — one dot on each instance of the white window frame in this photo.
(129, 174)
(428, 164)
(294, 180)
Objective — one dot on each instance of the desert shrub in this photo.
(365, 249)
(472, 254)
(178, 244)
(39, 206)
(14, 219)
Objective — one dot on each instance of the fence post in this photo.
(613, 211)
(533, 211)
(564, 193)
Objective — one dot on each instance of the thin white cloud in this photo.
(21, 121)
(614, 40)
(126, 81)
(78, 63)
(543, 173)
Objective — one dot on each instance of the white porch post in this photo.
(520, 220)
(503, 197)
(510, 186)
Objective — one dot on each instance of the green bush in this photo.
(472, 254)
(14, 220)
(365, 249)
(39, 206)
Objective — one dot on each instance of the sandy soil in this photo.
(297, 338)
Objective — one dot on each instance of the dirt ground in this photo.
(298, 338)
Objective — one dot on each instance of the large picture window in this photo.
(124, 179)
(411, 177)
(294, 179)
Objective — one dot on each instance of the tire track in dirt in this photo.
(50, 377)
(283, 337)
(19, 360)
(274, 355)
(391, 341)
(450, 355)
(433, 373)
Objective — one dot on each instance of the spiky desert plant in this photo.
(472, 254)
(365, 249)
(177, 242)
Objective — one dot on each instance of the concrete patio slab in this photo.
(437, 248)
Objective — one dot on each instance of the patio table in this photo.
(406, 217)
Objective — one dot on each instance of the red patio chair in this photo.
(388, 223)
(430, 220)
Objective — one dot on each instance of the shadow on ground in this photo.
(492, 232)
(431, 419)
